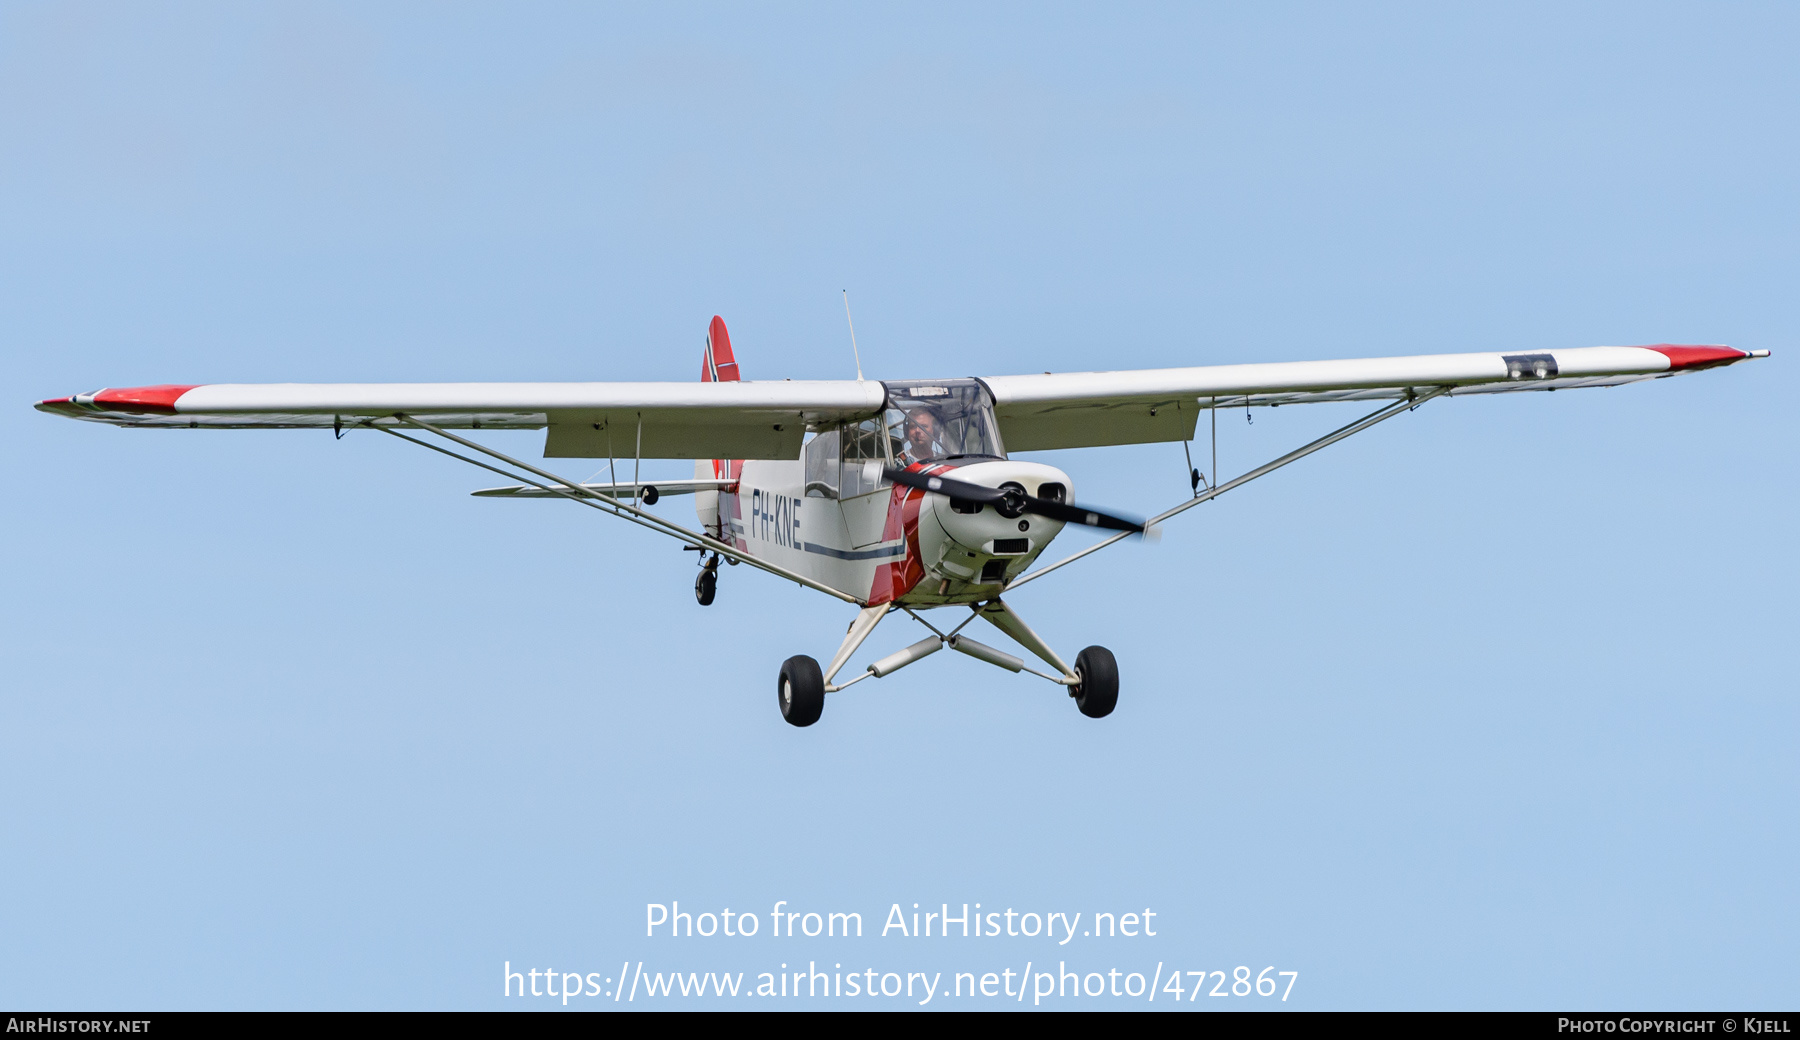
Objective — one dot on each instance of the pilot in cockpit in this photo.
(923, 435)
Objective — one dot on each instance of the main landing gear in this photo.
(1093, 683)
(706, 586)
(1098, 691)
(801, 691)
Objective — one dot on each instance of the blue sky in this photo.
(1490, 707)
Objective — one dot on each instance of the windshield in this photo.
(942, 419)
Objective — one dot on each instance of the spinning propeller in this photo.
(1010, 500)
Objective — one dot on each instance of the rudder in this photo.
(717, 365)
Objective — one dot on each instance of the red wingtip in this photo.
(155, 400)
(158, 399)
(58, 405)
(1697, 357)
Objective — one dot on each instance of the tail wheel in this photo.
(801, 691)
(1098, 692)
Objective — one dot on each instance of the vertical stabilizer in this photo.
(717, 365)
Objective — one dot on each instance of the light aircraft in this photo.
(903, 497)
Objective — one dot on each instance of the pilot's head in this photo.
(922, 429)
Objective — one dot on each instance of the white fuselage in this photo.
(892, 544)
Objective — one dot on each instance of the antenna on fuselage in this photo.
(853, 351)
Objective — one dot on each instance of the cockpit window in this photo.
(941, 419)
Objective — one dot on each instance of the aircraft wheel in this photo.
(1099, 689)
(801, 691)
(706, 586)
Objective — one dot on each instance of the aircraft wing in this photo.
(706, 420)
(1088, 409)
(767, 419)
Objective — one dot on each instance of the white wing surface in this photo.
(768, 419)
(1087, 409)
(705, 420)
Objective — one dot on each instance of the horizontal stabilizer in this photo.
(649, 489)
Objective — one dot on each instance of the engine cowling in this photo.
(970, 550)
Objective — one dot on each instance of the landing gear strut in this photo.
(1093, 682)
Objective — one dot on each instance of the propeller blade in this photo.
(944, 486)
(962, 489)
(1074, 514)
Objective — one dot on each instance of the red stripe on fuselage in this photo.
(893, 580)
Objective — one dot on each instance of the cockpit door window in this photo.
(865, 456)
(822, 465)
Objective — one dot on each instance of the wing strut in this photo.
(1379, 415)
(576, 493)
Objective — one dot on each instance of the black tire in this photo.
(801, 691)
(706, 586)
(1098, 693)
(651, 494)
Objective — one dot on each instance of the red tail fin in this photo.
(718, 364)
